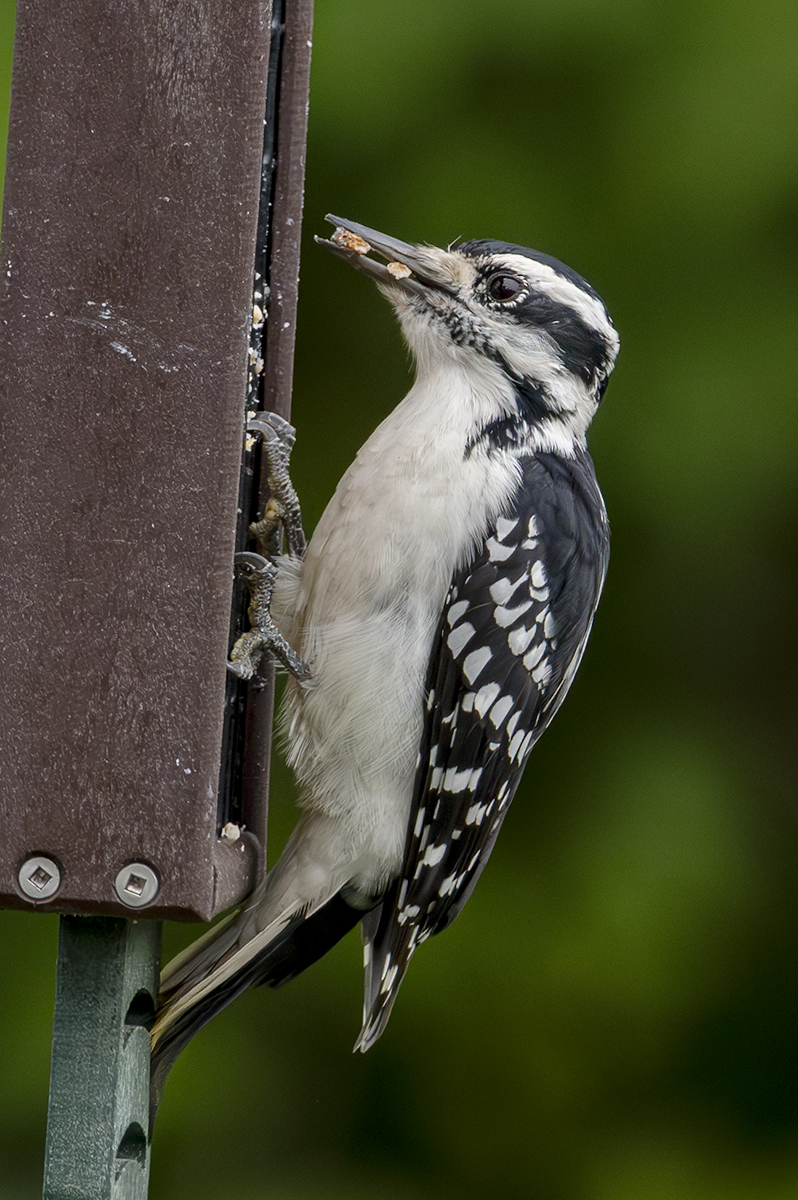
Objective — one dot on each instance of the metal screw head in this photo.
(136, 885)
(39, 877)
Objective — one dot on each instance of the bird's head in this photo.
(490, 307)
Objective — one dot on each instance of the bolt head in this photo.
(136, 885)
(39, 877)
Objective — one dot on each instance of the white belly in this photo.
(363, 608)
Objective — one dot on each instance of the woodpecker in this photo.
(431, 628)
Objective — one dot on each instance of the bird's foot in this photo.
(264, 634)
(282, 510)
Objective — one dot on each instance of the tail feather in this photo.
(199, 985)
(204, 953)
(386, 957)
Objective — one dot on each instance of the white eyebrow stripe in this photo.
(557, 287)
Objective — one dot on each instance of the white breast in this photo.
(363, 608)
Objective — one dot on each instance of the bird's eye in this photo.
(503, 287)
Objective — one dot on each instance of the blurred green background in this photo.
(614, 1016)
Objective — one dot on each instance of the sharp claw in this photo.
(238, 669)
(295, 665)
(251, 561)
(257, 424)
(273, 427)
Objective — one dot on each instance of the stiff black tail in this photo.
(301, 942)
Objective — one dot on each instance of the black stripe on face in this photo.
(583, 350)
(487, 248)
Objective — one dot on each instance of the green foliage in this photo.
(613, 1017)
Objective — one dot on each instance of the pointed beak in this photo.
(411, 268)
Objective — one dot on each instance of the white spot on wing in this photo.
(519, 639)
(502, 589)
(456, 781)
(459, 638)
(475, 663)
(475, 814)
(500, 710)
(456, 612)
(497, 551)
(505, 527)
(433, 855)
(508, 616)
(515, 744)
(534, 656)
(485, 697)
(541, 673)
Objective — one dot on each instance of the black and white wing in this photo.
(513, 630)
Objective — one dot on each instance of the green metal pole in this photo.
(98, 1116)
